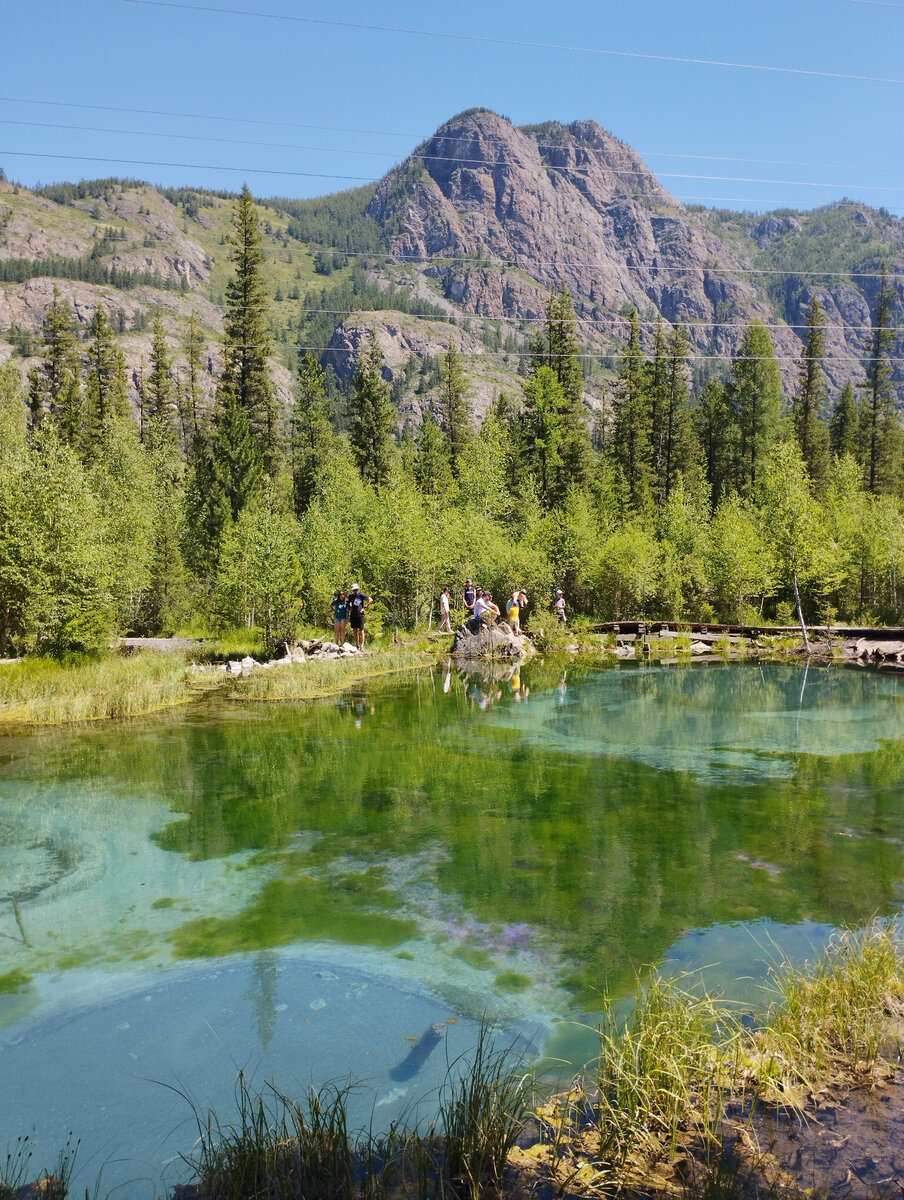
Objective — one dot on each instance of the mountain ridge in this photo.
(477, 225)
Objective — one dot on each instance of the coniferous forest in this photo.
(214, 506)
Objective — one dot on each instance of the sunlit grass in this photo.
(322, 677)
(42, 691)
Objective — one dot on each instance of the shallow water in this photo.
(303, 890)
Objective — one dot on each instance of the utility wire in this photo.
(523, 45)
(640, 172)
(434, 137)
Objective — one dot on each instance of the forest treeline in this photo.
(215, 507)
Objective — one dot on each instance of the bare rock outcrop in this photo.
(476, 639)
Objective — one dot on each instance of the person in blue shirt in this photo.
(339, 605)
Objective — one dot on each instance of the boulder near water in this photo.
(476, 639)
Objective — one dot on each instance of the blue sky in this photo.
(718, 135)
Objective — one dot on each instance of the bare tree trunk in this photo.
(800, 615)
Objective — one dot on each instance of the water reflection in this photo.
(495, 854)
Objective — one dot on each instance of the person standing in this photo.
(339, 605)
(559, 606)
(445, 607)
(358, 602)
(513, 611)
(469, 595)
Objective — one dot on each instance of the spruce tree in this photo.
(193, 396)
(712, 423)
(755, 401)
(678, 447)
(245, 381)
(881, 430)
(432, 461)
(236, 454)
(312, 433)
(632, 434)
(56, 384)
(539, 429)
(810, 428)
(158, 385)
(453, 404)
(107, 388)
(844, 428)
(565, 362)
(373, 416)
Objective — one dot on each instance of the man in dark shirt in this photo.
(469, 596)
(357, 603)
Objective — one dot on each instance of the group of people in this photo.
(480, 606)
(349, 609)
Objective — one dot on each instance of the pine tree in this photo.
(678, 445)
(712, 421)
(107, 388)
(453, 404)
(844, 430)
(158, 385)
(56, 384)
(540, 434)
(881, 430)
(755, 401)
(373, 422)
(432, 463)
(245, 380)
(193, 393)
(237, 455)
(807, 405)
(631, 443)
(312, 433)
(564, 360)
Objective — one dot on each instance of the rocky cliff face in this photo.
(499, 215)
(480, 222)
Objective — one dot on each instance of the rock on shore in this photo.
(475, 639)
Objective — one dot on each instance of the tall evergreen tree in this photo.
(564, 360)
(432, 462)
(158, 385)
(312, 433)
(107, 388)
(193, 397)
(807, 406)
(881, 430)
(844, 429)
(373, 422)
(632, 433)
(453, 404)
(237, 456)
(245, 380)
(540, 435)
(755, 401)
(678, 448)
(56, 384)
(712, 422)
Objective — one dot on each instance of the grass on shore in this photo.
(324, 677)
(42, 691)
(666, 1110)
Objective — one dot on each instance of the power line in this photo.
(434, 137)
(524, 45)
(142, 162)
(483, 162)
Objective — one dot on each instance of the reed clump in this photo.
(43, 691)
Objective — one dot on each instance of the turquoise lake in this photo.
(300, 891)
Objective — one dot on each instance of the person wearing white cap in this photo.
(559, 606)
(358, 602)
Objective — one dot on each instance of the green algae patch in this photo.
(482, 960)
(164, 902)
(290, 911)
(13, 982)
(512, 981)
